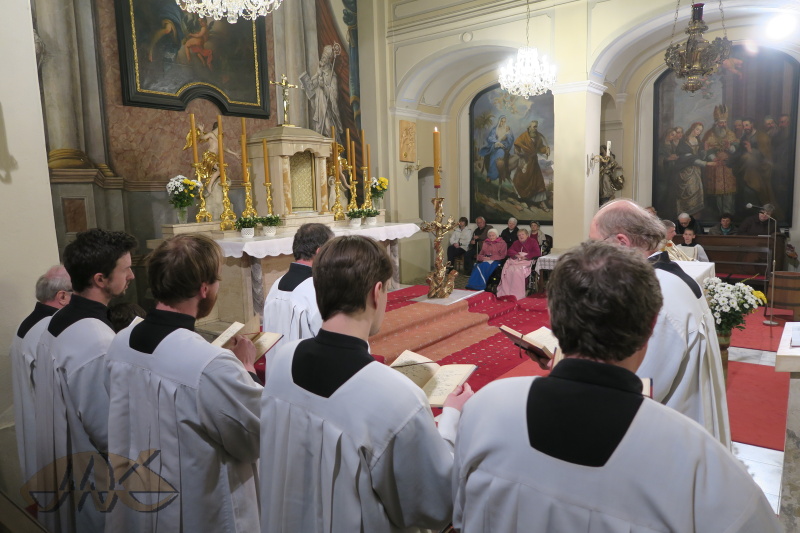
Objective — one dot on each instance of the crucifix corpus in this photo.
(440, 283)
(285, 85)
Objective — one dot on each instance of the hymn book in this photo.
(436, 381)
(542, 342)
(263, 340)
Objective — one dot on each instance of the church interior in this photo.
(101, 106)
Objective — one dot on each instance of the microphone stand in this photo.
(770, 321)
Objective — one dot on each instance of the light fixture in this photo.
(780, 27)
(530, 74)
(230, 9)
(697, 58)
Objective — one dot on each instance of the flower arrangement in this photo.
(270, 220)
(371, 212)
(182, 191)
(379, 186)
(731, 303)
(355, 213)
(247, 222)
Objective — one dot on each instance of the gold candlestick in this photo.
(367, 190)
(440, 283)
(334, 169)
(228, 217)
(202, 215)
(249, 210)
(353, 182)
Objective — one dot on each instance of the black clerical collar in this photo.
(323, 364)
(582, 410)
(40, 311)
(597, 373)
(296, 275)
(156, 326)
(77, 309)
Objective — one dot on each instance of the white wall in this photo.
(27, 237)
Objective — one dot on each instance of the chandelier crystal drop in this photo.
(230, 9)
(528, 74)
(697, 58)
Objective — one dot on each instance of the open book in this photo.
(263, 341)
(542, 341)
(436, 381)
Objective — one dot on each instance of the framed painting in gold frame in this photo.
(169, 57)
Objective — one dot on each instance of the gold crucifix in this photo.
(285, 85)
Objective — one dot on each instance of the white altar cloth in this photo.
(261, 247)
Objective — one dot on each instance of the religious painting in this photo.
(731, 143)
(168, 57)
(408, 141)
(511, 154)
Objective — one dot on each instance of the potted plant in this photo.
(270, 224)
(355, 216)
(247, 225)
(371, 216)
(729, 305)
(182, 193)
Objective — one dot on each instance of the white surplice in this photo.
(667, 474)
(72, 421)
(193, 410)
(684, 360)
(294, 314)
(369, 458)
(23, 357)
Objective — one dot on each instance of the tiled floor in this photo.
(765, 465)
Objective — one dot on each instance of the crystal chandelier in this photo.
(530, 74)
(697, 58)
(230, 9)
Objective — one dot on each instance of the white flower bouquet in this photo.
(731, 303)
(182, 191)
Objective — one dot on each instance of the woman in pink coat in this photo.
(518, 266)
(492, 252)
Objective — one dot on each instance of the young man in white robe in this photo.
(683, 357)
(347, 443)
(185, 410)
(72, 387)
(291, 304)
(53, 291)
(583, 449)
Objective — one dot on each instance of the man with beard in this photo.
(770, 127)
(70, 377)
(752, 164)
(720, 143)
(782, 159)
(528, 180)
(187, 407)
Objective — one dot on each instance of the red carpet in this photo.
(757, 336)
(757, 404)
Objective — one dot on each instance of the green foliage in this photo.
(355, 213)
(270, 220)
(371, 212)
(246, 222)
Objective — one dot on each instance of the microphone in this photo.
(750, 206)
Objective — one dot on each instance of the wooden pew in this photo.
(738, 257)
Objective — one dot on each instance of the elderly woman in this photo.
(518, 266)
(509, 235)
(537, 234)
(493, 251)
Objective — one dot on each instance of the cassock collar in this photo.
(597, 373)
(323, 364)
(77, 309)
(40, 311)
(296, 275)
(664, 263)
(157, 325)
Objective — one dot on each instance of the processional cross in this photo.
(440, 283)
(285, 85)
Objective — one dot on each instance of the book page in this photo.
(543, 338)
(415, 367)
(228, 334)
(445, 381)
(265, 341)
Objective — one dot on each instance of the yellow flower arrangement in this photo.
(379, 186)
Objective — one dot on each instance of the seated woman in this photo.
(493, 251)
(518, 266)
(538, 235)
(509, 235)
(693, 251)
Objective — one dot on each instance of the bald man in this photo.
(53, 291)
(682, 356)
